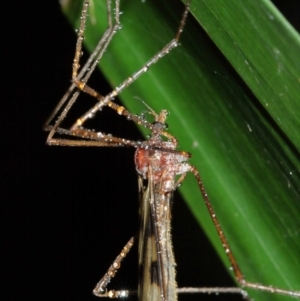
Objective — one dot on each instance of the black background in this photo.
(69, 211)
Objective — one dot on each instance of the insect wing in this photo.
(149, 284)
(156, 259)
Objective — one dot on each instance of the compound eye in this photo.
(158, 125)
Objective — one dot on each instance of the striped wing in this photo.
(156, 259)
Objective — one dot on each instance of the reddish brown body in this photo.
(165, 162)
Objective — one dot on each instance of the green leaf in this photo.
(233, 91)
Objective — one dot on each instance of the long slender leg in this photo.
(104, 101)
(237, 271)
(80, 81)
(84, 73)
(100, 289)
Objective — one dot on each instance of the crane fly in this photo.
(158, 163)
